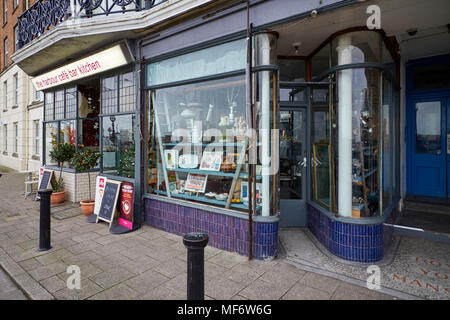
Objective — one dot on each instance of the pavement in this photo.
(147, 264)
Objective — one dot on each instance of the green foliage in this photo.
(85, 160)
(61, 153)
(127, 158)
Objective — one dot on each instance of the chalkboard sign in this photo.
(109, 201)
(46, 179)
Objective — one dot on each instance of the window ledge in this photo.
(14, 107)
(5, 110)
(34, 157)
(5, 153)
(15, 155)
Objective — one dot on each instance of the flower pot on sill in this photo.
(58, 197)
(87, 206)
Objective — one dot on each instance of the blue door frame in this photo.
(427, 174)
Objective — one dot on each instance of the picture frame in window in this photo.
(196, 183)
(171, 157)
(211, 160)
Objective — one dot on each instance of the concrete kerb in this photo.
(30, 287)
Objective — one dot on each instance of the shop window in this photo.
(227, 57)
(119, 93)
(49, 106)
(320, 62)
(59, 104)
(71, 103)
(118, 145)
(109, 95)
(76, 109)
(127, 92)
(51, 140)
(354, 128)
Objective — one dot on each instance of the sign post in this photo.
(99, 190)
(126, 209)
(109, 201)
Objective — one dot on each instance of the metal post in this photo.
(195, 243)
(44, 221)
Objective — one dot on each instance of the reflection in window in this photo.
(51, 140)
(428, 127)
(68, 133)
(59, 104)
(109, 95)
(118, 145)
(49, 106)
(127, 98)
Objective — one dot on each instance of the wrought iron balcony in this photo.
(46, 14)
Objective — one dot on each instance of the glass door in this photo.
(292, 166)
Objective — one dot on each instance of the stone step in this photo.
(426, 207)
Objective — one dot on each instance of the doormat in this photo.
(65, 213)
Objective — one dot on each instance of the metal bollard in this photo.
(195, 242)
(44, 221)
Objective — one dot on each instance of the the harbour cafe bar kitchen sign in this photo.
(113, 57)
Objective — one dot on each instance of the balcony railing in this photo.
(46, 14)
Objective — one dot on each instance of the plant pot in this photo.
(87, 206)
(58, 197)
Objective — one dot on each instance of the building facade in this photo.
(21, 105)
(237, 119)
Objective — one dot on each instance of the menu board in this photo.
(109, 201)
(46, 179)
(126, 205)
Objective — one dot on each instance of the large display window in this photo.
(198, 137)
(353, 134)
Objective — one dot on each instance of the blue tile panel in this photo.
(224, 232)
(353, 242)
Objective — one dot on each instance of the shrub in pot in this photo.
(85, 160)
(61, 153)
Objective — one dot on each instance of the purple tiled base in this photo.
(353, 242)
(225, 232)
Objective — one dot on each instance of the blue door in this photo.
(429, 146)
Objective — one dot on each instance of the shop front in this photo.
(240, 131)
(94, 107)
(324, 125)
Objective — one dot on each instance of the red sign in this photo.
(126, 205)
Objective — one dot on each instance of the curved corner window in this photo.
(354, 152)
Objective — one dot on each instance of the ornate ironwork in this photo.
(47, 14)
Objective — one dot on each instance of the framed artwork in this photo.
(196, 182)
(171, 159)
(244, 192)
(211, 161)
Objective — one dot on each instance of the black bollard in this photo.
(195, 243)
(44, 221)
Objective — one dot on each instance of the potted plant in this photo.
(61, 153)
(85, 160)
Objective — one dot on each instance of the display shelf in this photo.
(214, 144)
(201, 198)
(213, 173)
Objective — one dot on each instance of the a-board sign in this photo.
(126, 205)
(109, 201)
(46, 179)
(99, 190)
